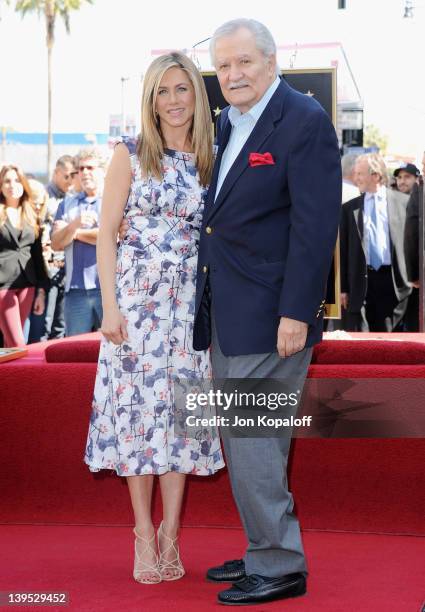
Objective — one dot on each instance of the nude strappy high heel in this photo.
(170, 570)
(140, 566)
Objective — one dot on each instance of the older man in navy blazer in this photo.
(269, 230)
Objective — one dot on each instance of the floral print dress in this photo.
(133, 416)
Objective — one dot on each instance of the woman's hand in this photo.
(123, 229)
(39, 302)
(114, 326)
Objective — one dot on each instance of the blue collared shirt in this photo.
(80, 257)
(242, 126)
(380, 200)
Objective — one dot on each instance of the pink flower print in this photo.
(146, 285)
(171, 291)
(151, 306)
(147, 367)
(103, 429)
(149, 452)
(120, 390)
(129, 438)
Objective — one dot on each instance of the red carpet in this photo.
(349, 485)
(374, 486)
(348, 572)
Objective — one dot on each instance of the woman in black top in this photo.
(22, 270)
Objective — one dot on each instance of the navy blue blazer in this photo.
(267, 240)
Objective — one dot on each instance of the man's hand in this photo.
(291, 336)
(123, 229)
(416, 284)
(114, 326)
(344, 300)
(88, 220)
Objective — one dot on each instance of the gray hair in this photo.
(376, 165)
(263, 38)
(347, 164)
(90, 153)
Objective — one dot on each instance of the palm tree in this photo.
(50, 9)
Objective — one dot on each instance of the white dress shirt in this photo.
(242, 126)
(378, 199)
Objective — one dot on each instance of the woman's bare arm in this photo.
(115, 195)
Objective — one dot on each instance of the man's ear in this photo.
(272, 61)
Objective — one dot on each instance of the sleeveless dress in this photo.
(133, 416)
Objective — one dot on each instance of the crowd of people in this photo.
(49, 286)
(379, 244)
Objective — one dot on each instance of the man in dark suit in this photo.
(374, 285)
(268, 234)
(411, 251)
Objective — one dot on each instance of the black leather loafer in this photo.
(255, 589)
(230, 571)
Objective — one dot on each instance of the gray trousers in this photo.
(257, 470)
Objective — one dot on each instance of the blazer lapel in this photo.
(227, 128)
(359, 219)
(262, 130)
(12, 231)
(393, 219)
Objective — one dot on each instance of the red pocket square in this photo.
(261, 159)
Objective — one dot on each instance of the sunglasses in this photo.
(89, 168)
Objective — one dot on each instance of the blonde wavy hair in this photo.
(40, 198)
(26, 202)
(150, 146)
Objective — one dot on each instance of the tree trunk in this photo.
(49, 112)
(49, 11)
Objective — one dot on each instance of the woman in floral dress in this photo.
(148, 293)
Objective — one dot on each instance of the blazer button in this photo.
(205, 269)
(208, 230)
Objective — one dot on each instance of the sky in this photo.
(112, 39)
